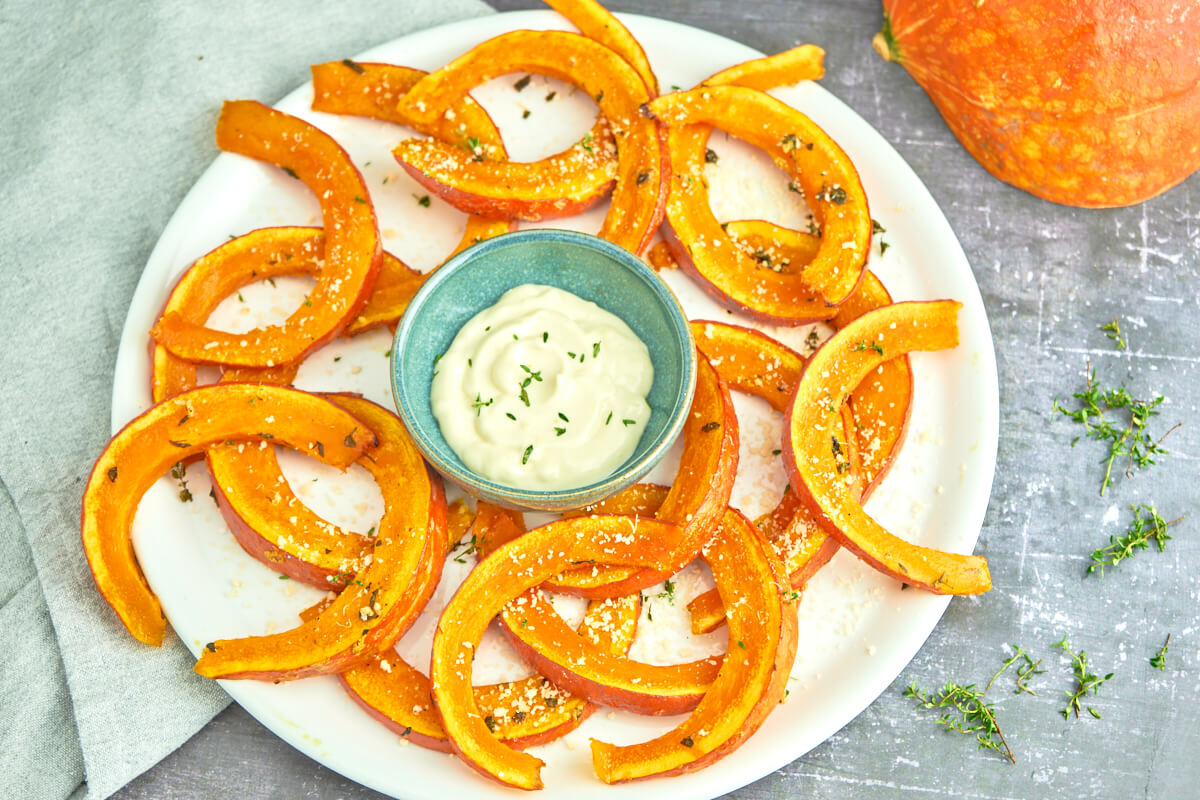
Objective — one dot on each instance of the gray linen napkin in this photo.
(108, 118)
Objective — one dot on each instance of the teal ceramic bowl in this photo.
(590, 267)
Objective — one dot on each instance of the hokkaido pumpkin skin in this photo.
(1096, 105)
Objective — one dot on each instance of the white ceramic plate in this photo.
(857, 629)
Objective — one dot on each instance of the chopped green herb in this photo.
(353, 66)
(710, 156)
(480, 404)
(291, 172)
(509, 415)
(609, 418)
(586, 143)
(545, 336)
(525, 456)
(628, 422)
(741, 644)
(709, 427)
(521, 84)
(863, 345)
(423, 200)
(551, 96)
(559, 431)
(358, 199)
(595, 349)
(563, 417)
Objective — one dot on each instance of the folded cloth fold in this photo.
(108, 120)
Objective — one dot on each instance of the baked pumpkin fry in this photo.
(638, 198)
(522, 713)
(696, 500)
(352, 249)
(378, 603)
(374, 90)
(262, 254)
(585, 663)
(178, 428)
(519, 565)
(753, 675)
(819, 169)
(597, 22)
(812, 447)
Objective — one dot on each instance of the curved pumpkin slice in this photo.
(510, 571)
(750, 361)
(805, 62)
(263, 254)
(374, 90)
(883, 401)
(352, 250)
(378, 603)
(178, 428)
(753, 675)
(586, 663)
(824, 174)
(638, 199)
(275, 526)
(597, 22)
(696, 500)
(810, 448)
(520, 713)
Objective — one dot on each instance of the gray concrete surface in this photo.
(1050, 276)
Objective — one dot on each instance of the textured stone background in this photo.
(1050, 276)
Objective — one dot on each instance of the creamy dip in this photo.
(543, 391)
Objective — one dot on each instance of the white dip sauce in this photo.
(543, 391)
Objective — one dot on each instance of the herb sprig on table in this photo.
(968, 712)
(1027, 670)
(1159, 659)
(1131, 441)
(1085, 681)
(1147, 526)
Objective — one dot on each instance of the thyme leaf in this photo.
(1026, 670)
(1159, 659)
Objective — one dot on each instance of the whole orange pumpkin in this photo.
(1092, 103)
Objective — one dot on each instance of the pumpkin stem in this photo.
(885, 43)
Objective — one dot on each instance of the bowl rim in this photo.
(535, 498)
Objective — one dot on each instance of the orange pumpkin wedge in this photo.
(181, 427)
(378, 603)
(753, 675)
(521, 713)
(586, 663)
(514, 568)
(597, 22)
(805, 62)
(811, 444)
(352, 249)
(820, 171)
(637, 200)
(695, 502)
(374, 90)
(262, 254)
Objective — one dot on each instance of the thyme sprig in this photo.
(1113, 331)
(1085, 681)
(1026, 670)
(974, 714)
(1159, 659)
(1142, 531)
(469, 547)
(1132, 441)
